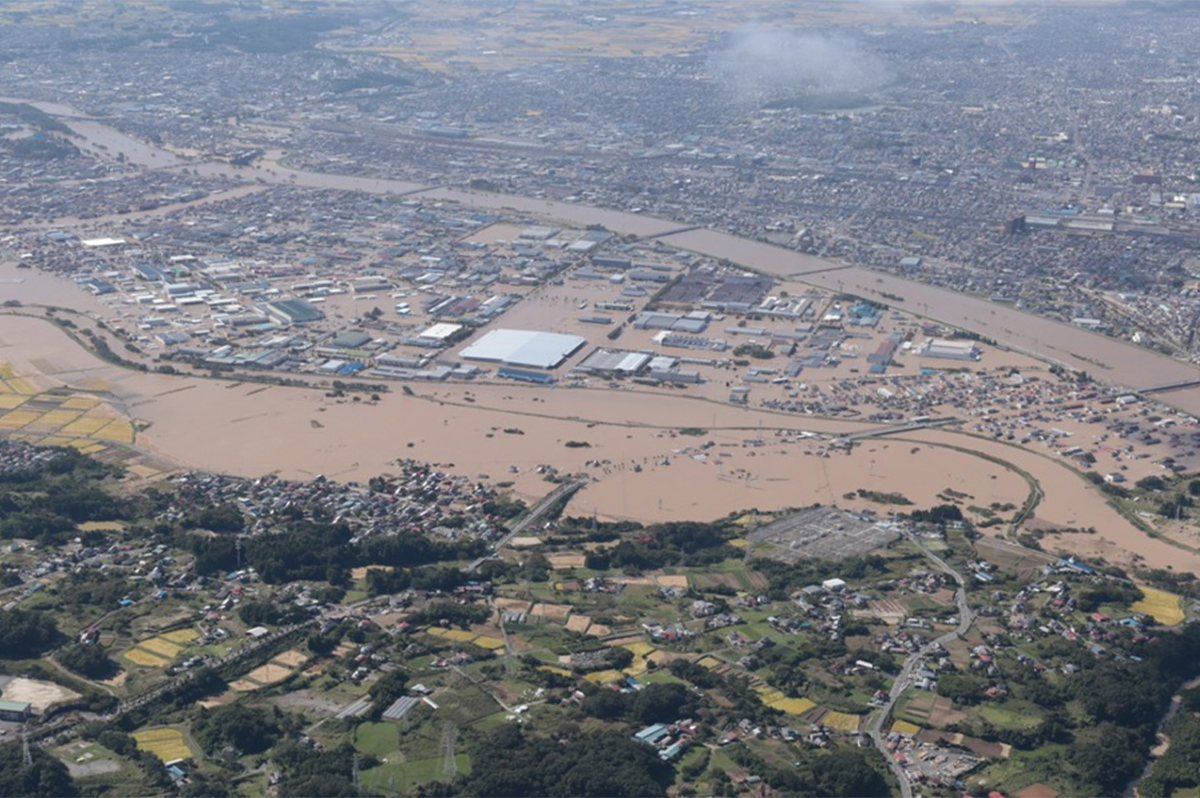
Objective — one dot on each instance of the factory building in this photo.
(524, 348)
(950, 350)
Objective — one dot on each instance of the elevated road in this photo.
(896, 428)
(1171, 386)
(533, 517)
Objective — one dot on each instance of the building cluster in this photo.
(420, 498)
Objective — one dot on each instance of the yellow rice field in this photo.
(777, 700)
(145, 658)
(1164, 607)
(166, 744)
(842, 721)
(483, 641)
(160, 646)
(604, 677)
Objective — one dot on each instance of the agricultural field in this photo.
(1164, 607)
(167, 744)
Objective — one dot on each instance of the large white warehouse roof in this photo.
(529, 348)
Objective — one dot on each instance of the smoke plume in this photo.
(760, 65)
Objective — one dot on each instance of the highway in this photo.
(966, 617)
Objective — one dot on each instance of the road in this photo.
(534, 515)
(966, 617)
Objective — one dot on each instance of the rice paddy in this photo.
(1164, 607)
(166, 744)
(157, 652)
(53, 418)
(777, 700)
(461, 636)
(842, 721)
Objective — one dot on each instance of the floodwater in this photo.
(642, 468)
(1070, 502)
(1103, 357)
(251, 429)
(36, 287)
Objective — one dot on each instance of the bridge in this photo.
(907, 426)
(548, 502)
(1171, 386)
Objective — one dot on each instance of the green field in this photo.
(1011, 716)
(1022, 769)
(377, 739)
(403, 776)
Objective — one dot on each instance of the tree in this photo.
(26, 635)
(248, 730)
(1108, 756)
(606, 704)
(326, 786)
(215, 518)
(90, 659)
(257, 613)
(1151, 483)
(45, 776)
(846, 773)
(963, 688)
(663, 703)
(387, 689)
(508, 763)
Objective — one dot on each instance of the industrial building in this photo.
(438, 334)
(610, 361)
(668, 338)
(521, 375)
(696, 322)
(293, 311)
(950, 350)
(528, 348)
(15, 711)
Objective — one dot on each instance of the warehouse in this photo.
(15, 711)
(293, 311)
(609, 361)
(950, 350)
(439, 334)
(529, 348)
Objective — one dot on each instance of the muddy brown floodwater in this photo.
(250, 429)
